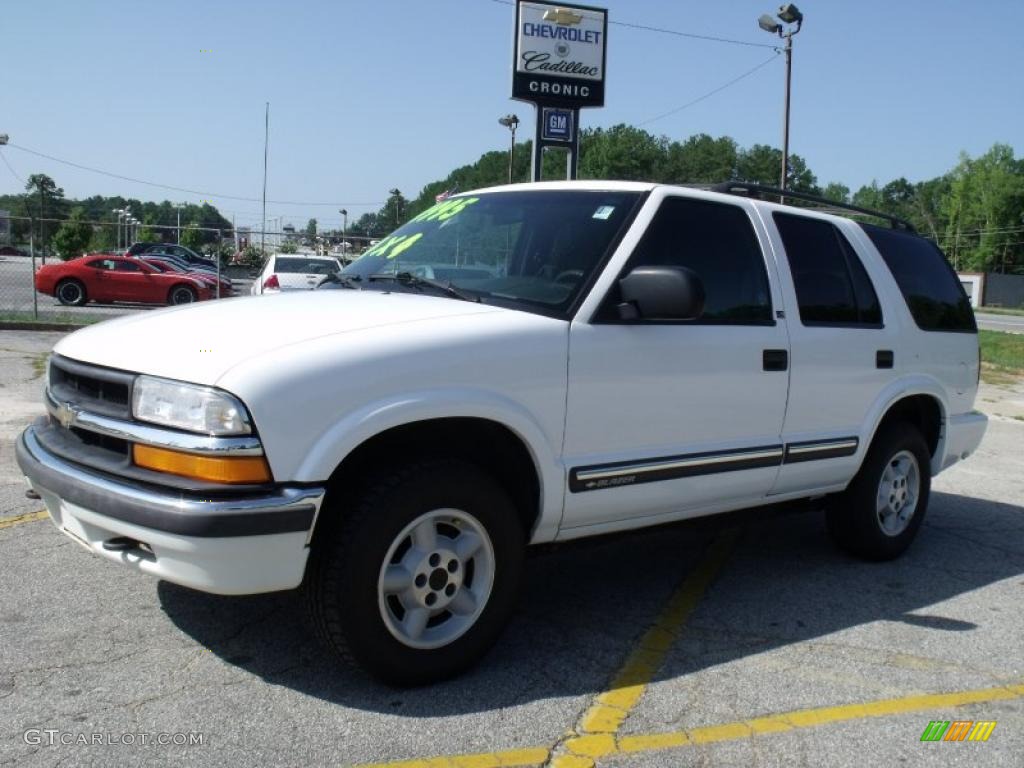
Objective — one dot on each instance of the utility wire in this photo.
(180, 189)
(719, 89)
(13, 172)
(674, 32)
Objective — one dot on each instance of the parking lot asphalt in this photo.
(740, 640)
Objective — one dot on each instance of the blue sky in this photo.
(366, 96)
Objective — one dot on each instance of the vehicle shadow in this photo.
(584, 604)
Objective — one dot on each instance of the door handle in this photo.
(775, 360)
(884, 358)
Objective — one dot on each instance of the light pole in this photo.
(511, 122)
(118, 212)
(344, 226)
(178, 207)
(127, 212)
(789, 14)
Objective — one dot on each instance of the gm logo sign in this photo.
(557, 124)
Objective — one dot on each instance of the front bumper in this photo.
(227, 545)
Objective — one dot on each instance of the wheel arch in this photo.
(175, 286)
(921, 405)
(486, 443)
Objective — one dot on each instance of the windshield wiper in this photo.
(407, 278)
(345, 281)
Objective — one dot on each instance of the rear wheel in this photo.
(415, 579)
(182, 294)
(71, 293)
(881, 511)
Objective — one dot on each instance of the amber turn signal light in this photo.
(213, 469)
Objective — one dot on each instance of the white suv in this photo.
(597, 356)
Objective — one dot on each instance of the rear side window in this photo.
(832, 287)
(716, 241)
(930, 286)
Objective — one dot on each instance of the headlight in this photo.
(188, 406)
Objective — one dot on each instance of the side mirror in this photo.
(661, 293)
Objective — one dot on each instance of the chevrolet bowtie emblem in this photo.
(563, 16)
(66, 415)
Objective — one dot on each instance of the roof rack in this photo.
(751, 190)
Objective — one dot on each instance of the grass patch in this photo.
(1000, 310)
(68, 318)
(39, 364)
(1003, 351)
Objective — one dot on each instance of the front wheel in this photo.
(415, 579)
(879, 514)
(182, 294)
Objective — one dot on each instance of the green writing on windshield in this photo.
(391, 246)
(447, 209)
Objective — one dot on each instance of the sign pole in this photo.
(572, 162)
(537, 155)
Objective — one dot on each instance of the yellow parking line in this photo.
(28, 517)
(811, 718)
(603, 745)
(612, 708)
(529, 756)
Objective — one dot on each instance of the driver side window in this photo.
(717, 241)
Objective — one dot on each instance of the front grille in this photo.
(107, 443)
(91, 388)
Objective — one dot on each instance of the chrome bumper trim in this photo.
(284, 509)
(69, 416)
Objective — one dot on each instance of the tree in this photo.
(701, 160)
(311, 229)
(74, 235)
(191, 237)
(836, 191)
(287, 247)
(395, 208)
(763, 164)
(48, 195)
(104, 239)
(622, 152)
(46, 191)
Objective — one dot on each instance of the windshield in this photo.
(533, 250)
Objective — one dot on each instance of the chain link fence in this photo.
(28, 244)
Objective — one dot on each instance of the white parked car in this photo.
(632, 354)
(293, 272)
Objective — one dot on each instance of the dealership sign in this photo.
(559, 54)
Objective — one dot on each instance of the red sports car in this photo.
(105, 278)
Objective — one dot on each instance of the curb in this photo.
(39, 326)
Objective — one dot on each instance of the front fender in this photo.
(371, 419)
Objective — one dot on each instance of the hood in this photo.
(201, 342)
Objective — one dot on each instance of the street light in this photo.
(510, 122)
(178, 207)
(344, 226)
(118, 212)
(789, 14)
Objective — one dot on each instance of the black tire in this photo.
(182, 294)
(854, 521)
(352, 543)
(71, 293)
